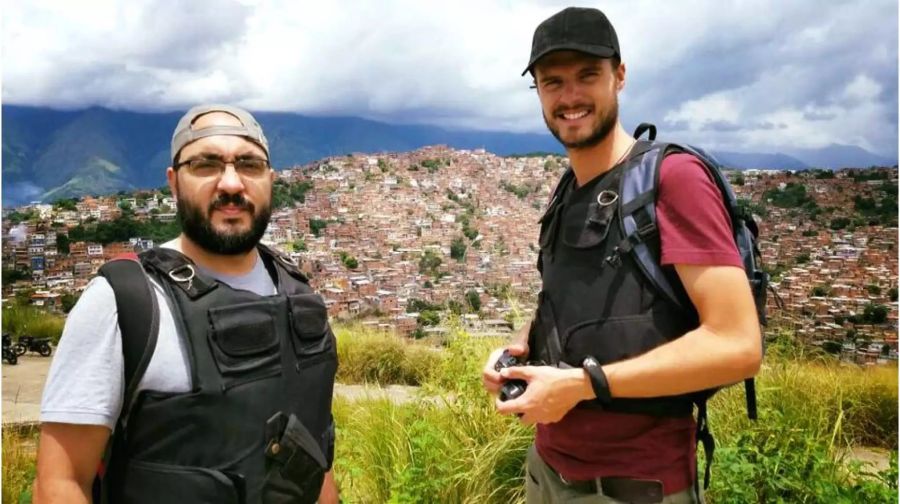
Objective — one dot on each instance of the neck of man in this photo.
(230, 265)
(593, 161)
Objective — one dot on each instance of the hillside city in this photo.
(402, 240)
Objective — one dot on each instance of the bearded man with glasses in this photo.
(229, 396)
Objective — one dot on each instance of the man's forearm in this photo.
(673, 368)
(59, 491)
(698, 360)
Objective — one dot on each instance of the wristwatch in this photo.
(598, 380)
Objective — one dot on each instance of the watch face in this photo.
(590, 362)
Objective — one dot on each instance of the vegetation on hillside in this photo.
(123, 229)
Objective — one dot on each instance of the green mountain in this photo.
(48, 154)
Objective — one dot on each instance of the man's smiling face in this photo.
(579, 96)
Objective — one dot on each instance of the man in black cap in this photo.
(614, 412)
(232, 402)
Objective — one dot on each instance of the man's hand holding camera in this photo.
(550, 393)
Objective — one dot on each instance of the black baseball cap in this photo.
(574, 29)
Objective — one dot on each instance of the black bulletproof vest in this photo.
(607, 311)
(256, 426)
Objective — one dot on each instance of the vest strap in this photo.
(705, 437)
(139, 332)
(179, 271)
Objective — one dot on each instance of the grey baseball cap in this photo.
(249, 129)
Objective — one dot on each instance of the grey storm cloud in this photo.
(763, 75)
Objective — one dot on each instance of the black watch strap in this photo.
(598, 380)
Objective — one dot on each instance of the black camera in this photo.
(511, 389)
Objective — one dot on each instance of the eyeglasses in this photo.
(251, 167)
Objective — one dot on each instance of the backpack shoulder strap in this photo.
(138, 318)
(638, 190)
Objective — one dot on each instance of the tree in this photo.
(66, 204)
(15, 217)
(832, 347)
(14, 275)
(873, 289)
(419, 305)
(458, 248)
(839, 223)
(316, 226)
(474, 300)
(892, 294)
(469, 232)
(820, 291)
(429, 263)
(428, 318)
(62, 244)
(875, 314)
(68, 301)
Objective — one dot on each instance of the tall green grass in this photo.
(457, 449)
(449, 445)
(369, 355)
(23, 320)
(18, 463)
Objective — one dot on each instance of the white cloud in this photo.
(863, 89)
(715, 107)
(456, 64)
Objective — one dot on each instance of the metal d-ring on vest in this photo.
(189, 278)
(607, 197)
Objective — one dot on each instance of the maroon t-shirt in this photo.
(694, 229)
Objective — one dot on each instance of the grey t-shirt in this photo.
(85, 384)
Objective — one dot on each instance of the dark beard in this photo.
(198, 227)
(607, 123)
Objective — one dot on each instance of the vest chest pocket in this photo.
(295, 464)
(593, 230)
(309, 325)
(244, 340)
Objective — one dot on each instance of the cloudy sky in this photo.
(756, 75)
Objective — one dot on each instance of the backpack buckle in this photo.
(614, 259)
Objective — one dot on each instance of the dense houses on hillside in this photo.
(383, 237)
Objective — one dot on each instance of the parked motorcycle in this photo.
(32, 344)
(8, 354)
